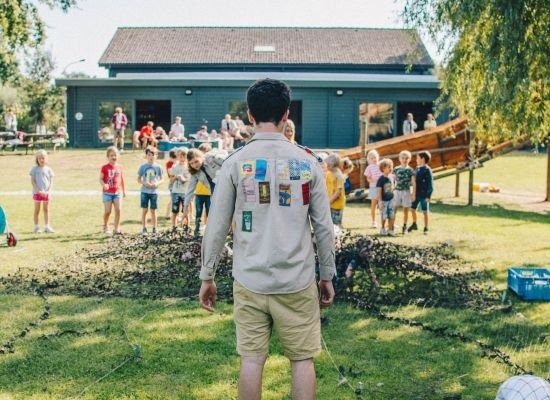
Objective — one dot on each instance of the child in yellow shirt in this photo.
(335, 187)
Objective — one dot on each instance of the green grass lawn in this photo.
(189, 354)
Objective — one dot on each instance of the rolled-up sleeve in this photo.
(219, 220)
(191, 190)
(319, 213)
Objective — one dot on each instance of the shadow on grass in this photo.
(181, 350)
(490, 211)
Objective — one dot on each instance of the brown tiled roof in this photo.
(210, 45)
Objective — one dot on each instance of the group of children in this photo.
(388, 188)
(190, 175)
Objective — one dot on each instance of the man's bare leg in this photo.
(303, 380)
(250, 380)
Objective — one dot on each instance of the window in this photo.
(106, 111)
(264, 49)
(379, 118)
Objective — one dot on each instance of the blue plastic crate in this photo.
(530, 283)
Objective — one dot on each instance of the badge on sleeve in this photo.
(305, 170)
(282, 170)
(247, 167)
(247, 221)
(261, 169)
(294, 169)
(285, 195)
(249, 190)
(265, 192)
(305, 193)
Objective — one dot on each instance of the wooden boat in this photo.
(449, 145)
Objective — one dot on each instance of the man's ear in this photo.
(250, 117)
(285, 116)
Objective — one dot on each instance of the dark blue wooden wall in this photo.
(328, 120)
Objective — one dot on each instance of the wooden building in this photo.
(338, 76)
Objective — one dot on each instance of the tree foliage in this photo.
(42, 102)
(496, 65)
(21, 28)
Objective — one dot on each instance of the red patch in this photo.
(305, 193)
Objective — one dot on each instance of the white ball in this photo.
(524, 387)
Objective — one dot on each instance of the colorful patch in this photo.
(305, 193)
(265, 193)
(247, 221)
(261, 169)
(249, 190)
(282, 170)
(305, 171)
(294, 169)
(285, 195)
(247, 167)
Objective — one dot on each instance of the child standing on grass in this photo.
(424, 189)
(111, 180)
(335, 187)
(347, 168)
(150, 177)
(372, 173)
(42, 183)
(385, 197)
(404, 179)
(173, 160)
(179, 178)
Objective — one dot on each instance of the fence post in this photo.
(471, 187)
(457, 185)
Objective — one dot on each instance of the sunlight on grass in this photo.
(88, 341)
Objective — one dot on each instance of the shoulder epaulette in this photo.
(309, 151)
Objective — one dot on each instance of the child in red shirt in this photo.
(146, 135)
(111, 179)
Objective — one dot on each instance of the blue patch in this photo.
(261, 169)
(294, 169)
(305, 171)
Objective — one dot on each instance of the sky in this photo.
(84, 32)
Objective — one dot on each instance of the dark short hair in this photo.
(173, 153)
(425, 154)
(151, 149)
(268, 100)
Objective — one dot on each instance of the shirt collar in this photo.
(270, 136)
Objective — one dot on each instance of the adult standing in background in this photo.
(430, 123)
(119, 122)
(177, 131)
(275, 193)
(409, 126)
(11, 121)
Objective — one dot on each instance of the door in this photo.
(158, 111)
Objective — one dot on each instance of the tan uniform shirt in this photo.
(275, 193)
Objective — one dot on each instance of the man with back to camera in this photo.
(274, 191)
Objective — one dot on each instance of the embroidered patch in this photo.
(265, 193)
(249, 190)
(247, 167)
(282, 170)
(285, 195)
(294, 169)
(305, 171)
(305, 193)
(247, 221)
(261, 169)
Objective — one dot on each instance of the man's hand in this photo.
(207, 295)
(327, 293)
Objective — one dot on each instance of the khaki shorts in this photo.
(295, 317)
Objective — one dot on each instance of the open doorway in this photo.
(419, 110)
(158, 111)
(296, 116)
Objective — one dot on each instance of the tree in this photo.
(44, 102)
(496, 63)
(21, 29)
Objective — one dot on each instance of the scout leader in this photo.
(275, 192)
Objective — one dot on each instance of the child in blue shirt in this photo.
(150, 177)
(424, 189)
